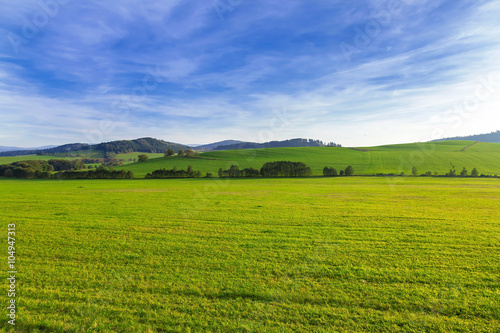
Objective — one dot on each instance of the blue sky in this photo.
(358, 73)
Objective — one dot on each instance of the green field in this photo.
(434, 156)
(354, 254)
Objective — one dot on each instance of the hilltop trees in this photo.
(191, 153)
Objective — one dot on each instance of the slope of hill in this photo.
(432, 156)
(211, 146)
(493, 137)
(276, 144)
(146, 145)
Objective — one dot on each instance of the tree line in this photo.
(98, 173)
(174, 173)
(65, 170)
(332, 172)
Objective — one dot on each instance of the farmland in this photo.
(313, 254)
(432, 156)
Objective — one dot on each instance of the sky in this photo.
(358, 73)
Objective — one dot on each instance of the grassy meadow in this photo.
(353, 254)
(431, 156)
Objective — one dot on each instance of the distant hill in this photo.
(439, 158)
(145, 145)
(211, 146)
(493, 137)
(4, 148)
(292, 143)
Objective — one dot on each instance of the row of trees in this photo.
(235, 172)
(187, 153)
(332, 172)
(98, 173)
(174, 173)
(44, 170)
(285, 169)
(451, 173)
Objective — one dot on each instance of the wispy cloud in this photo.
(175, 70)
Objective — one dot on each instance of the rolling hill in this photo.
(432, 156)
(276, 144)
(211, 146)
(146, 145)
(493, 137)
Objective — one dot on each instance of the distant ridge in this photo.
(5, 148)
(151, 145)
(146, 145)
(211, 146)
(292, 143)
(493, 137)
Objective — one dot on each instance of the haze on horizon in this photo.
(359, 73)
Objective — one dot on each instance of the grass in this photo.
(349, 254)
(435, 157)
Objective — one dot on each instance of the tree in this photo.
(464, 172)
(181, 152)
(330, 172)
(349, 171)
(143, 158)
(341, 172)
(190, 152)
(169, 152)
(414, 171)
(474, 173)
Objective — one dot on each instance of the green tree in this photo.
(181, 152)
(143, 158)
(464, 172)
(414, 171)
(330, 172)
(190, 152)
(349, 171)
(169, 152)
(474, 173)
